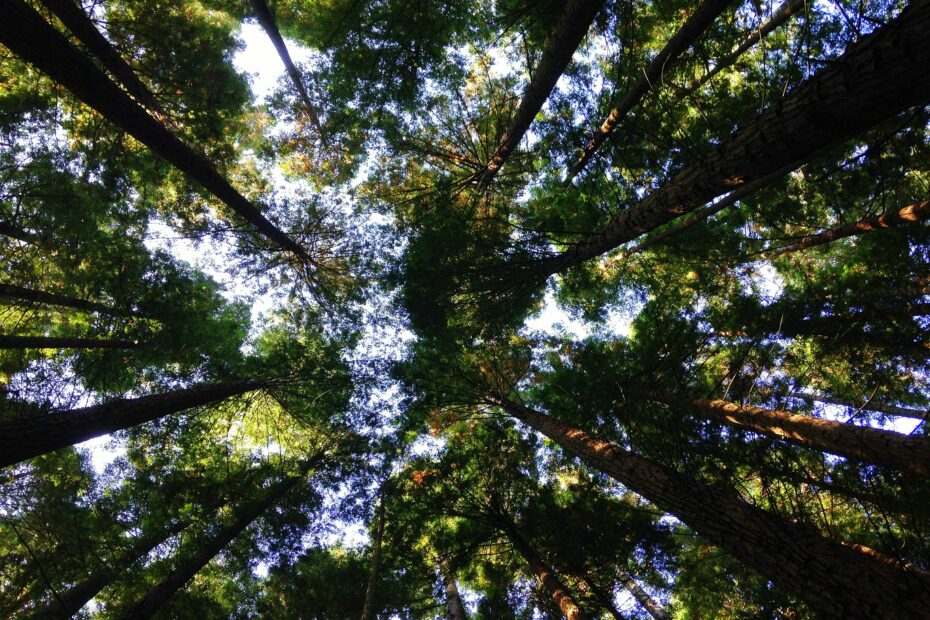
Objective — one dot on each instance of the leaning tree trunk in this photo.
(266, 19)
(77, 21)
(545, 575)
(565, 38)
(867, 404)
(847, 97)
(837, 580)
(156, 598)
(604, 598)
(652, 607)
(19, 293)
(55, 342)
(368, 610)
(699, 21)
(862, 443)
(27, 35)
(27, 437)
(451, 587)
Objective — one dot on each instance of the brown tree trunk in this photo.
(699, 21)
(54, 342)
(266, 19)
(872, 445)
(837, 580)
(368, 610)
(847, 97)
(19, 293)
(24, 438)
(28, 36)
(77, 21)
(567, 35)
(453, 599)
(652, 607)
(161, 593)
(545, 575)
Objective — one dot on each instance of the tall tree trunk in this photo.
(77, 21)
(155, 599)
(565, 38)
(847, 97)
(699, 21)
(54, 342)
(28, 36)
(453, 599)
(604, 598)
(19, 293)
(872, 445)
(368, 610)
(544, 574)
(867, 403)
(837, 580)
(652, 607)
(66, 604)
(27, 437)
(266, 19)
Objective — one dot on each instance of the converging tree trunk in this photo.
(56, 342)
(28, 36)
(451, 587)
(567, 35)
(652, 607)
(27, 437)
(19, 293)
(368, 610)
(866, 403)
(837, 580)
(699, 21)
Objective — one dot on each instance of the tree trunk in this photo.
(872, 445)
(28, 36)
(652, 607)
(368, 610)
(867, 404)
(545, 575)
(53, 342)
(155, 599)
(911, 214)
(565, 38)
(8, 230)
(604, 598)
(837, 580)
(266, 19)
(453, 599)
(25, 438)
(847, 97)
(699, 21)
(77, 21)
(68, 603)
(19, 293)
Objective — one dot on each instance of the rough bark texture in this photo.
(571, 29)
(872, 445)
(266, 19)
(837, 580)
(545, 575)
(28, 36)
(699, 21)
(368, 610)
(652, 607)
(27, 437)
(879, 77)
(77, 21)
(155, 599)
(453, 599)
(19, 293)
(53, 342)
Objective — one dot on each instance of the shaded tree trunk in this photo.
(699, 21)
(28, 36)
(77, 21)
(652, 607)
(604, 598)
(19, 293)
(867, 404)
(837, 580)
(872, 445)
(8, 230)
(27, 437)
(266, 19)
(567, 35)
(161, 593)
(54, 342)
(368, 610)
(453, 599)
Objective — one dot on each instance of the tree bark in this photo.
(837, 580)
(156, 598)
(28, 437)
(842, 100)
(19, 293)
(652, 607)
(368, 610)
(54, 342)
(565, 38)
(28, 36)
(862, 443)
(266, 19)
(867, 404)
(545, 575)
(604, 598)
(77, 21)
(699, 21)
(453, 599)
